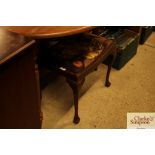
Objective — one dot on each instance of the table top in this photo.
(12, 44)
(41, 32)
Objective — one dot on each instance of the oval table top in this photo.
(41, 32)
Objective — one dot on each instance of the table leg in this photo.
(76, 86)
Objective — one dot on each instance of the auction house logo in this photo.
(141, 120)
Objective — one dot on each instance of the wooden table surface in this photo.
(11, 44)
(41, 32)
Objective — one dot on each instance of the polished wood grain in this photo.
(19, 85)
(39, 32)
(12, 44)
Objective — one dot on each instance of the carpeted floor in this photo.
(132, 90)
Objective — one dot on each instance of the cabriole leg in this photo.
(107, 82)
(76, 86)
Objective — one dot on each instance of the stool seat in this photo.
(76, 57)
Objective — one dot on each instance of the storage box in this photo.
(146, 32)
(127, 44)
